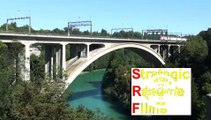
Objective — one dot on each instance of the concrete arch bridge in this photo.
(85, 50)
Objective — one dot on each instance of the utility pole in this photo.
(29, 25)
(7, 26)
(78, 24)
(19, 18)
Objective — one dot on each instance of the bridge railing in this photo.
(129, 36)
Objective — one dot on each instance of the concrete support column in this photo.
(179, 48)
(55, 60)
(52, 62)
(27, 61)
(83, 51)
(58, 59)
(158, 49)
(164, 52)
(87, 51)
(47, 59)
(64, 57)
(73, 52)
(78, 50)
(168, 51)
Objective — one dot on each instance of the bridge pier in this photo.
(55, 60)
(158, 51)
(79, 50)
(73, 51)
(87, 50)
(48, 61)
(178, 48)
(83, 51)
(63, 57)
(168, 51)
(26, 71)
(164, 51)
(156, 48)
(52, 62)
(58, 62)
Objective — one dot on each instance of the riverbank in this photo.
(84, 72)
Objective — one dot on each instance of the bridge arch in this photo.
(149, 55)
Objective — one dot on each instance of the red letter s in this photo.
(136, 73)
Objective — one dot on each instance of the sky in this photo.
(178, 16)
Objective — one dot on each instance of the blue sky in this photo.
(186, 16)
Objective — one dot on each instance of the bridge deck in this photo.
(51, 38)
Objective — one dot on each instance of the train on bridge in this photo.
(170, 38)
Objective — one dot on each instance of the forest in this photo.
(195, 55)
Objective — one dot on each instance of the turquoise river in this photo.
(86, 89)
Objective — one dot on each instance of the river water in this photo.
(86, 89)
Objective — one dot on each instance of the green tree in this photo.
(37, 65)
(5, 81)
(206, 82)
(193, 55)
(195, 50)
(206, 35)
(104, 32)
(40, 99)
